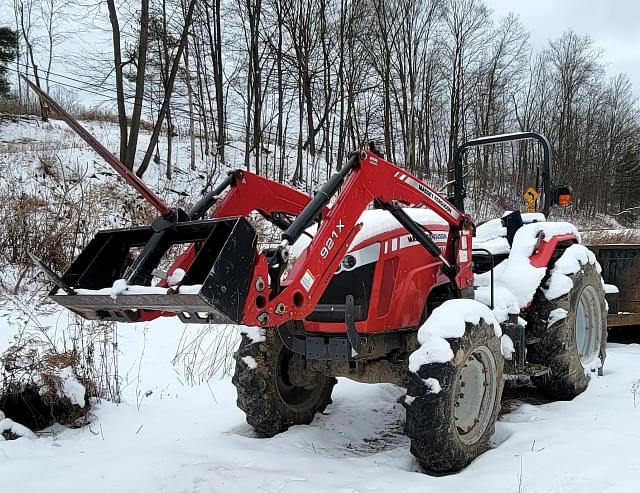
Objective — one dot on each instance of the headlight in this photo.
(349, 262)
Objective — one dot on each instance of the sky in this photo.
(612, 24)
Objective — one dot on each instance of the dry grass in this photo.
(12, 107)
(206, 351)
(37, 365)
(13, 110)
(611, 236)
(52, 212)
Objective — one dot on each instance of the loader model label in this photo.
(433, 196)
(331, 241)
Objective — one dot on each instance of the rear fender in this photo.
(543, 253)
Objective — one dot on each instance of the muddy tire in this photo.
(263, 380)
(449, 429)
(570, 346)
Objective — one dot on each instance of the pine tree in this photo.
(8, 52)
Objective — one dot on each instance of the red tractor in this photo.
(383, 292)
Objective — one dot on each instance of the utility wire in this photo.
(228, 125)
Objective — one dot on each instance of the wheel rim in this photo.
(588, 326)
(475, 393)
(296, 398)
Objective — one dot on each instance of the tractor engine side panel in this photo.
(390, 284)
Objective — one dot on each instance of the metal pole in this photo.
(125, 172)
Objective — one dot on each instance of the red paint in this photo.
(389, 272)
(374, 178)
(542, 255)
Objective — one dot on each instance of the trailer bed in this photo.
(621, 267)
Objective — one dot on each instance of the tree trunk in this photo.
(132, 144)
(117, 63)
(169, 89)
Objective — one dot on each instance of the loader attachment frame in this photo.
(209, 292)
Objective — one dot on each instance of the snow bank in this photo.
(446, 321)
(8, 425)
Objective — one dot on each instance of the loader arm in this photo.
(368, 179)
(248, 193)
(251, 192)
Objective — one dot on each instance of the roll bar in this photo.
(547, 173)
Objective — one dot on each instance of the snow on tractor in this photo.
(396, 285)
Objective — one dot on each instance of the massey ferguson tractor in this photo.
(395, 284)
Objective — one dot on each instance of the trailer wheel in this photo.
(451, 427)
(572, 345)
(275, 390)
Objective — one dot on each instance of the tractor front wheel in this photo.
(450, 421)
(275, 389)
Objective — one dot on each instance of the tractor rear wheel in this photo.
(275, 390)
(572, 333)
(450, 422)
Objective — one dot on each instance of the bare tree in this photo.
(117, 67)
(25, 9)
(177, 56)
(466, 23)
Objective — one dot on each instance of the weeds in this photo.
(520, 476)
(635, 390)
(206, 351)
(46, 361)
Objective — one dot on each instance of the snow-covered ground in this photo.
(182, 438)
